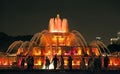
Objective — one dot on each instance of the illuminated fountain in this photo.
(56, 40)
(59, 40)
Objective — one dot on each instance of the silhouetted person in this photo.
(22, 63)
(106, 62)
(55, 60)
(28, 62)
(82, 64)
(62, 63)
(70, 62)
(97, 64)
(90, 64)
(32, 62)
(47, 63)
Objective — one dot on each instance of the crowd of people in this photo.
(94, 63)
(29, 61)
(55, 61)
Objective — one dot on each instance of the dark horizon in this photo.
(90, 17)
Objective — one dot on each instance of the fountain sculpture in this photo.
(56, 40)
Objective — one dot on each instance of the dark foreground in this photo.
(11, 71)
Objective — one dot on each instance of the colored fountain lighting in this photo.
(56, 40)
(66, 62)
(39, 62)
(51, 66)
(36, 51)
(57, 25)
(59, 51)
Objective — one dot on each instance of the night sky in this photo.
(90, 17)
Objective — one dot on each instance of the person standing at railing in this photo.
(62, 63)
(55, 60)
(82, 64)
(70, 62)
(47, 63)
(106, 62)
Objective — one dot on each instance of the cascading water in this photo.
(57, 40)
(100, 46)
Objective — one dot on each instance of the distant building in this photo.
(98, 38)
(116, 39)
(118, 35)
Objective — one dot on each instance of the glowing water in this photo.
(56, 40)
(58, 25)
(14, 46)
(101, 46)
